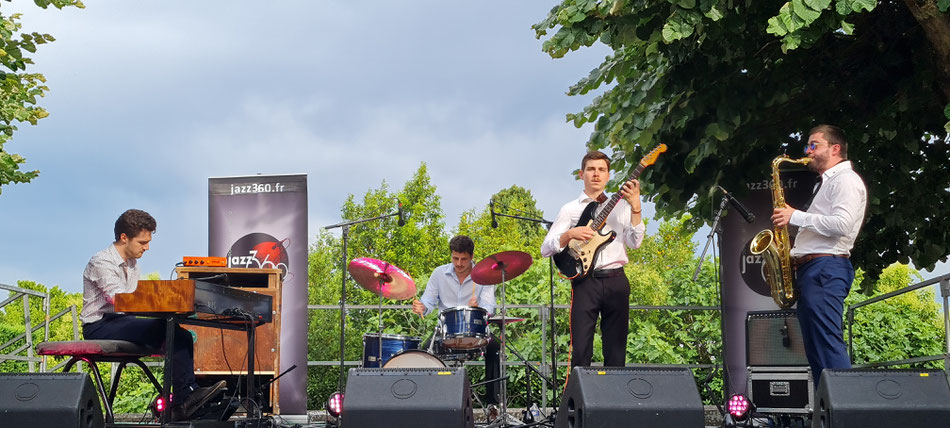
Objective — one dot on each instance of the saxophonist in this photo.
(826, 234)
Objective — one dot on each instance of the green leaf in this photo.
(804, 12)
(716, 131)
(776, 27)
(943, 5)
(791, 42)
(818, 4)
(946, 111)
(867, 5)
(843, 7)
(675, 29)
(687, 4)
(715, 15)
(847, 27)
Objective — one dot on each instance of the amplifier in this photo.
(781, 390)
(774, 338)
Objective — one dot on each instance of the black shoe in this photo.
(200, 396)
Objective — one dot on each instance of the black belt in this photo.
(606, 273)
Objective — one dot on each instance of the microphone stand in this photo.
(709, 238)
(345, 227)
(553, 380)
(716, 229)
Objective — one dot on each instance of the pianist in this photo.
(115, 270)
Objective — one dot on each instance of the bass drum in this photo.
(414, 359)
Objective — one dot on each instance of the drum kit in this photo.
(462, 332)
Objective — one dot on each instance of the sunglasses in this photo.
(812, 146)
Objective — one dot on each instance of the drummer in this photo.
(451, 285)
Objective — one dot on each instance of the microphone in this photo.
(402, 216)
(494, 223)
(743, 211)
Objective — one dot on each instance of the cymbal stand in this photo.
(383, 278)
(504, 341)
(553, 333)
(345, 227)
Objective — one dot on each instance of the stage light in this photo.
(158, 406)
(335, 404)
(739, 406)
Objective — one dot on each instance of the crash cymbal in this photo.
(508, 320)
(382, 278)
(488, 271)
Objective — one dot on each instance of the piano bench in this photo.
(103, 351)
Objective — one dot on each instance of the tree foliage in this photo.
(730, 84)
(20, 89)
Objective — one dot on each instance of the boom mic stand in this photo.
(714, 230)
(345, 227)
(547, 225)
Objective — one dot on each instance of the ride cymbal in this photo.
(488, 271)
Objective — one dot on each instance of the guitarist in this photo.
(605, 291)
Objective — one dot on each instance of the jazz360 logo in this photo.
(260, 250)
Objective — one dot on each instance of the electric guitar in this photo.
(576, 260)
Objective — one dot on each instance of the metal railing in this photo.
(24, 295)
(944, 282)
(543, 318)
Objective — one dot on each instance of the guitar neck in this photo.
(601, 218)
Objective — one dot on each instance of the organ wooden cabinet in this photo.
(221, 353)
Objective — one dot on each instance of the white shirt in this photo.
(614, 254)
(445, 291)
(835, 216)
(106, 274)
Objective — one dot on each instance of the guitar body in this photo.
(576, 260)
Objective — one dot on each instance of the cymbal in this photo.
(488, 271)
(508, 320)
(382, 278)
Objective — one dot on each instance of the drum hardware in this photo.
(498, 268)
(534, 217)
(345, 229)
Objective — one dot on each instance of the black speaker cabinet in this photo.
(774, 338)
(62, 400)
(630, 397)
(869, 398)
(407, 398)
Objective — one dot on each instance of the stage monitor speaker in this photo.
(774, 338)
(407, 398)
(868, 398)
(62, 400)
(598, 397)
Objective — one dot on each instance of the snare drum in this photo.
(392, 344)
(464, 327)
(414, 358)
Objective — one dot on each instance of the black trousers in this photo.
(606, 294)
(151, 332)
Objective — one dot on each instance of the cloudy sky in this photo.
(148, 99)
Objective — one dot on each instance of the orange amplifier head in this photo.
(205, 261)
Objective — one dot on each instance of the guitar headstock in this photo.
(650, 158)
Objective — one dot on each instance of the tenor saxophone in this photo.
(774, 246)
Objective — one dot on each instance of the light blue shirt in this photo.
(445, 291)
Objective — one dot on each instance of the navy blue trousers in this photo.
(823, 284)
(151, 332)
